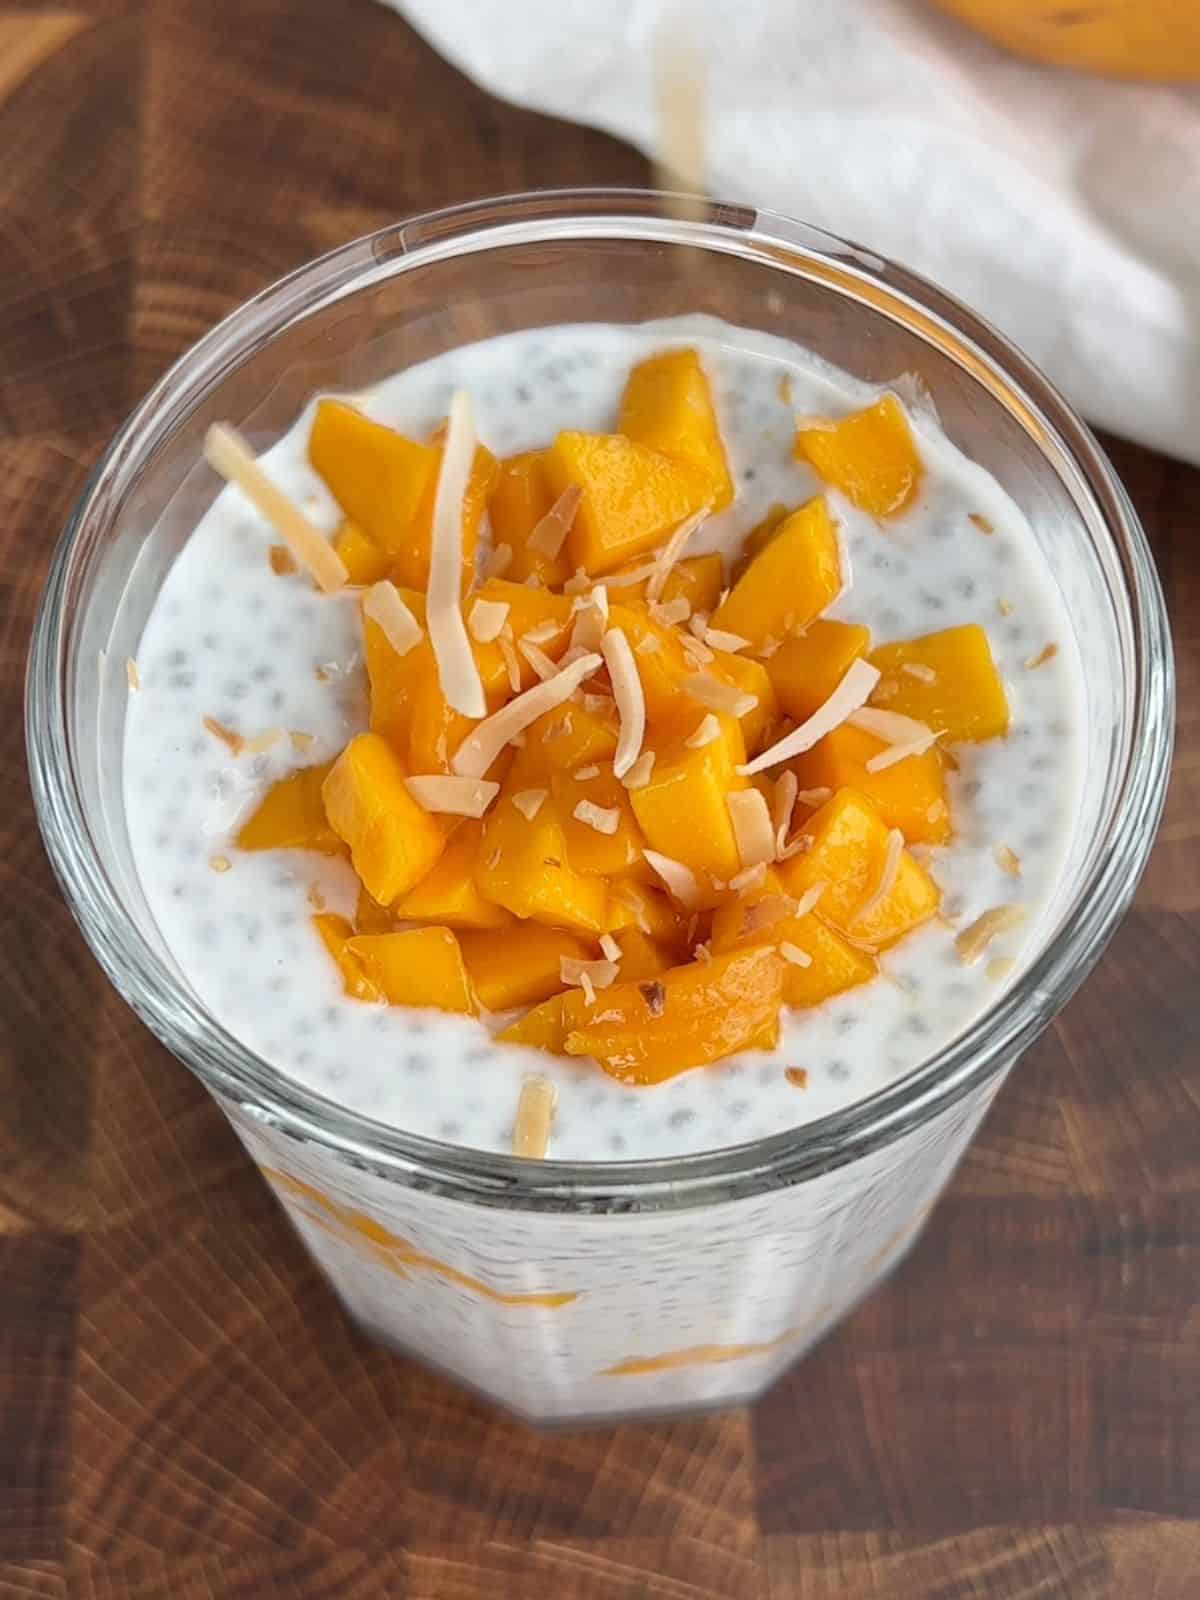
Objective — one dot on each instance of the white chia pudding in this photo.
(231, 640)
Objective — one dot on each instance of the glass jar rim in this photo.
(993, 1038)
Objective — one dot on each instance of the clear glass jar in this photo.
(575, 1291)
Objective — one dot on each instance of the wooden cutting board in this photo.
(183, 1410)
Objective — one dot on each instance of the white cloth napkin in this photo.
(1065, 208)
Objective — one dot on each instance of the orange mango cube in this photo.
(752, 678)
(365, 562)
(412, 552)
(870, 456)
(375, 474)
(633, 498)
(417, 967)
(789, 582)
(661, 665)
(909, 795)
(610, 855)
(393, 843)
(834, 964)
(523, 867)
(291, 816)
(336, 935)
(370, 916)
(562, 740)
(808, 667)
(668, 405)
(641, 956)
(650, 911)
(849, 845)
(521, 496)
(956, 688)
(682, 809)
(447, 895)
(520, 966)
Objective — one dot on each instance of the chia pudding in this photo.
(695, 1308)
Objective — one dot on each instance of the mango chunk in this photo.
(765, 530)
(562, 740)
(523, 867)
(521, 497)
(846, 857)
(411, 553)
(682, 810)
(870, 456)
(364, 560)
(417, 967)
(696, 579)
(530, 610)
(375, 474)
(611, 855)
(789, 582)
(547, 1025)
(964, 698)
(661, 664)
(646, 1032)
(393, 843)
(808, 667)
(834, 965)
(291, 816)
(633, 498)
(336, 935)
(370, 916)
(641, 956)
(520, 966)
(909, 795)
(651, 912)
(448, 894)
(668, 405)
(752, 678)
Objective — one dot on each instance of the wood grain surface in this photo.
(183, 1410)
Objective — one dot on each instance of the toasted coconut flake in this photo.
(487, 618)
(631, 703)
(543, 633)
(302, 741)
(887, 876)
(980, 521)
(231, 740)
(281, 559)
(628, 894)
(582, 774)
(498, 562)
(1005, 607)
(797, 1077)
(484, 743)
(749, 878)
(219, 863)
(262, 741)
(794, 954)
(670, 553)
(597, 704)
(765, 650)
(999, 968)
(891, 726)
(229, 455)
(671, 612)
(599, 598)
(697, 652)
(801, 843)
(529, 802)
(1046, 653)
(702, 952)
(783, 803)
(720, 639)
(813, 797)
(609, 948)
(893, 754)
(512, 665)
(600, 974)
(454, 797)
(626, 580)
(457, 673)
(132, 676)
(589, 624)
(679, 879)
(550, 534)
(719, 695)
(537, 659)
(849, 695)
(809, 900)
(706, 731)
(766, 912)
(752, 830)
(1008, 860)
(973, 941)
(382, 603)
(578, 582)
(918, 670)
(604, 819)
(648, 645)
(535, 1118)
(639, 773)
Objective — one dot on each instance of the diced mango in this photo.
(682, 809)
(610, 855)
(668, 405)
(523, 867)
(291, 816)
(530, 610)
(412, 554)
(375, 474)
(364, 560)
(417, 967)
(751, 677)
(641, 956)
(645, 1032)
(834, 965)
(808, 667)
(393, 843)
(547, 1025)
(790, 581)
(765, 530)
(636, 905)
(520, 966)
(846, 857)
(370, 916)
(964, 699)
(448, 894)
(633, 498)
(661, 664)
(521, 497)
(696, 579)
(870, 456)
(909, 795)
(562, 740)
(336, 935)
